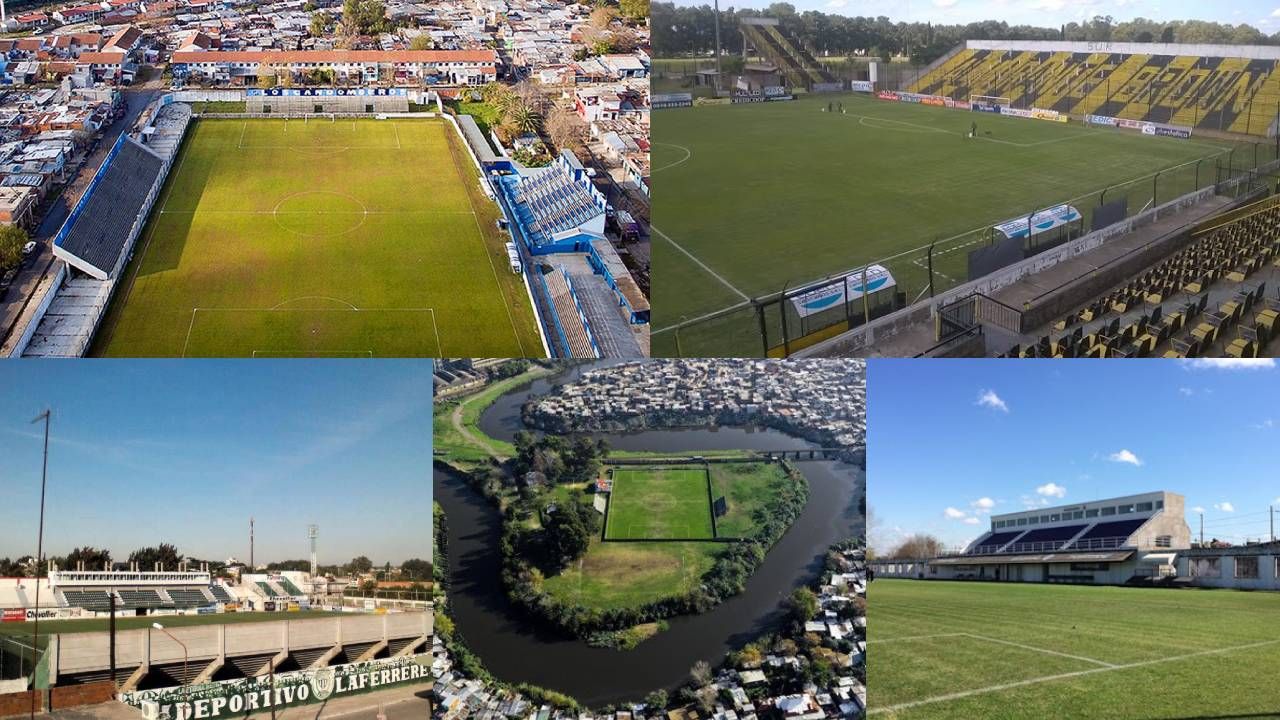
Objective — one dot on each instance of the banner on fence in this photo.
(887, 95)
(1145, 127)
(985, 107)
(267, 693)
(834, 292)
(323, 92)
(862, 86)
(672, 100)
(1041, 222)
(828, 87)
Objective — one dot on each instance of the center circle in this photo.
(320, 213)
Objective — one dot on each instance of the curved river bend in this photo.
(516, 652)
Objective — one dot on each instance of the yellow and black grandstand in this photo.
(1235, 91)
(794, 61)
(1214, 297)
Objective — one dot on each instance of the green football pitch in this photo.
(1004, 651)
(753, 198)
(659, 504)
(346, 238)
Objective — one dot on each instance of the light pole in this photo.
(185, 655)
(35, 626)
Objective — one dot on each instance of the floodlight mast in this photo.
(313, 531)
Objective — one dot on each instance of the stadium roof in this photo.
(1054, 557)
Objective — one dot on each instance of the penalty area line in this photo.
(701, 264)
(1061, 676)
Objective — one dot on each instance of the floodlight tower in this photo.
(313, 531)
(252, 567)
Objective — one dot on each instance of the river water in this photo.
(515, 652)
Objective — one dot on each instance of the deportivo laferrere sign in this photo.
(267, 693)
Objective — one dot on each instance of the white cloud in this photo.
(1264, 425)
(1231, 363)
(1186, 391)
(1224, 507)
(1052, 490)
(989, 398)
(971, 521)
(837, 3)
(1275, 13)
(1125, 456)
(944, 3)
(953, 513)
(983, 504)
(1197, 509)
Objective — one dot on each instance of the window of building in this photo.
(1054, 517)
(1108, 511)
(1044, 518)
(1091, 513)
(1208, 567)
(1126, 509)
(1247, 567)
(999, 523)
(1035, 521)
(1077, 515)
(1022, 521)
(1159, 504)
(1144, 507)
(1164, 541)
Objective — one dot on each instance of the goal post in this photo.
(990, 100)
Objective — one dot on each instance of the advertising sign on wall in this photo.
(268, 693)
(1043, 221)
(862, 86)
(833, 293)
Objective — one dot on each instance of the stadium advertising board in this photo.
(324, 92)
(887, 95)
(1015, 112)
(264, 694)
(862, 86)
(828, 87)
(833, 293)
(1041, 222)
(1050, 115)
(1146, 128)
(672, 100)
(776, 92)
(13, 615)
(983, 106)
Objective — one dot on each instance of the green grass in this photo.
(218, 106)
(55, 627)
(270, 234)
(779, 194)
(748, 489)
(1145, 653)
(659, 503)
(614, 575)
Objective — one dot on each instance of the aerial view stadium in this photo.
(980, 189)
(249, 592)
(384, 206)
(1062, 582)
(603, 542)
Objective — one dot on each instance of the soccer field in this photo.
(970, 650)
(659, 504)
(751, 198)
(347, 238)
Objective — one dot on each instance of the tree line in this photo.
(690, 30)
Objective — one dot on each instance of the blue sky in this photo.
(950, 442)
(1043, 13)
(149, 451)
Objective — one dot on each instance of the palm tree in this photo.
(524, 119)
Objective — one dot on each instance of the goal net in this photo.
(989, 101)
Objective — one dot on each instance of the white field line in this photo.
(1041, 650)
(190, 326)
(692, 320)
(687, 154)
(700, 264)
(953, 237)
(288, 353)
(1062, 676)
(436, 327)
(240, 143)
(484, 247)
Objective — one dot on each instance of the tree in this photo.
(165, 554)
(804, 604)
(12, 238)
(421, 42)
(93, 558)
(524, 119)
(700, 673)
(360, 564)
(917, 547)
(416, 569)
(602, 17)
(565, 128)
(266, 76)
(567, 534)
(319, 22)
(635, 10)
(656, 700)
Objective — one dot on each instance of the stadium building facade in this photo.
(360, 67)
(1135, 538)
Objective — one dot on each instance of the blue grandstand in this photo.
(557, 207)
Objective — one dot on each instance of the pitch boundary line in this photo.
(916, 637)
(484, 246)
(1062, 676)
(687, 155)
(435, 325)
(267, 354)
(701, 264)
(1040, 650)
